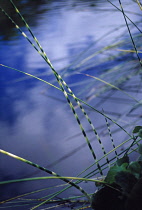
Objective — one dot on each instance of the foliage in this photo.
(122, 182)
(122, 185)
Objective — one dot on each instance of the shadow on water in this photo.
(31, 11)
(28, 9)
(80, 37)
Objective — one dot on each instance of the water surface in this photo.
(35, 121)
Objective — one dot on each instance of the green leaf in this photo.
(124, 159)
(140, 133)
(110, 178)
(126, 181)
(135, 169)
(136, 129)
(108, 197)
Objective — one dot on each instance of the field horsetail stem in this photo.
(132, 40)
(112, 141)
(116, 65)
(62, 83)
(46, 170)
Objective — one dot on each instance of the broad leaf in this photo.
(140, 133)
(110, 178)
(126, 181)
(135, 169)
(124, 159)
(136, 129)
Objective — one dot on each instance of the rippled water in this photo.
(35, 121)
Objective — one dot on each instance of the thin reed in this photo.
(113, 85)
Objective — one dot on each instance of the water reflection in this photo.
(31, 11)
(35, 121)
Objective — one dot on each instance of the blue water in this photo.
(35, 120)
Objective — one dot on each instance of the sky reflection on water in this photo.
(34, 125)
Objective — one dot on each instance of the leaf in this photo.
(107, 198)
(124, 159)
(135, 169)
(110, 178)
(134, 200)
(126, 181)
(136, 129)
(140, 133)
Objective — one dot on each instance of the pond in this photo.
(81, 38)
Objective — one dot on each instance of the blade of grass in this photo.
(70, 95)
(70, 91)
(139, 4)
(61, 83)
(133, 51)
(112, 141)
(130, 32)
(44, 169)
(20, 196)
(51, 177)
(33, 192)
(109, 84)
(125, 16)
(65, 93)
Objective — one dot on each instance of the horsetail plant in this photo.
(47, 171)
(61, 83)
(69, 93)
(135, 48)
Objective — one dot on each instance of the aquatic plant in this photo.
(111, 163)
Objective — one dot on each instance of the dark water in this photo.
(35, 120)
